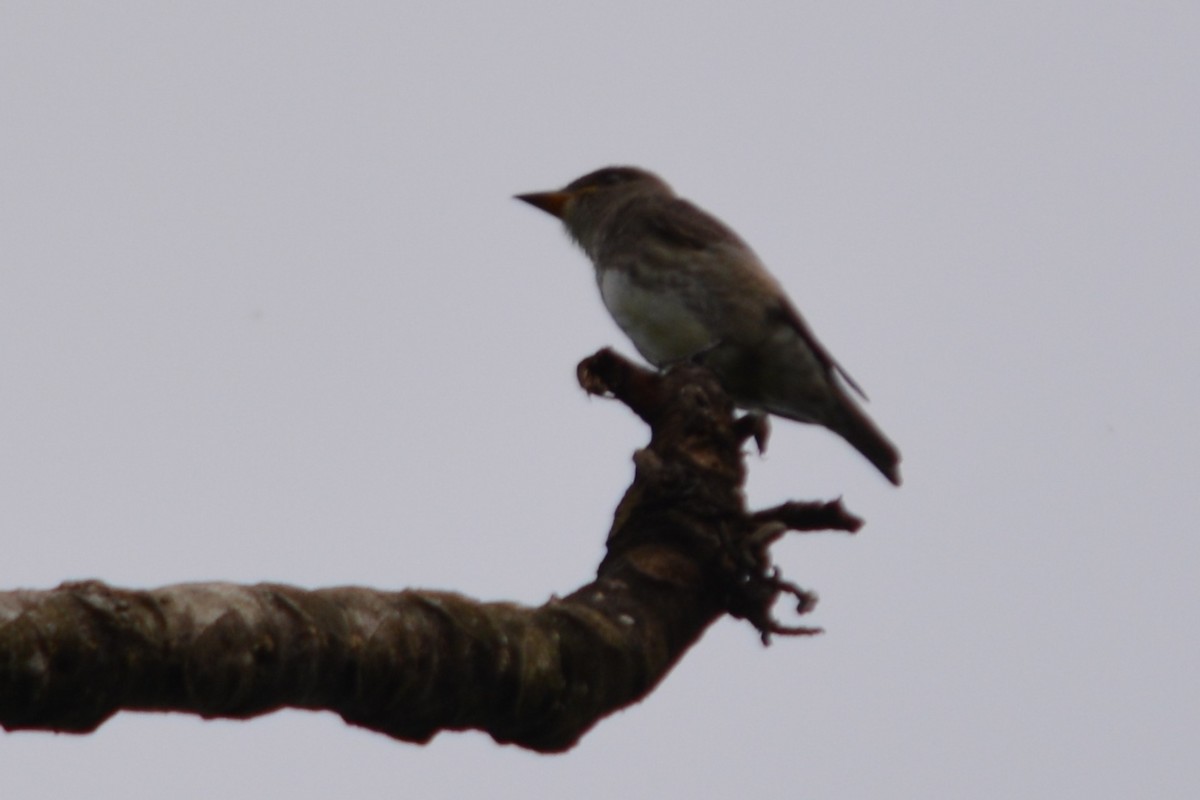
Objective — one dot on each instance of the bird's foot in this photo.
(754, 425)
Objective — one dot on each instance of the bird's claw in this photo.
(754, 425)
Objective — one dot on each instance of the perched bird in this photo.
(682, 285)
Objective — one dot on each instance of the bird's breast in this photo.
(655, 316)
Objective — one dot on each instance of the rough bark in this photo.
(682, 551)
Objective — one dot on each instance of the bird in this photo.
(683, 286)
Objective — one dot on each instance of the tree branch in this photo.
(682, 551)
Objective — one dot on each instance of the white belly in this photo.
(661, 325)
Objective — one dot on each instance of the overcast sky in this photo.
(269, 312)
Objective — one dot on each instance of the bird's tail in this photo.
(853, 425)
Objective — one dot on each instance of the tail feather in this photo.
(785, 376)
(853, 425)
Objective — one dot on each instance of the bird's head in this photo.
(586, 204)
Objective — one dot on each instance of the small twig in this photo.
(799, 516)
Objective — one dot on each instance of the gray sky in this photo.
(268, 312)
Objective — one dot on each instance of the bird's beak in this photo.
(552, 203)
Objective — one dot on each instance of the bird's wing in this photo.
(828, 361)
(681, 224)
